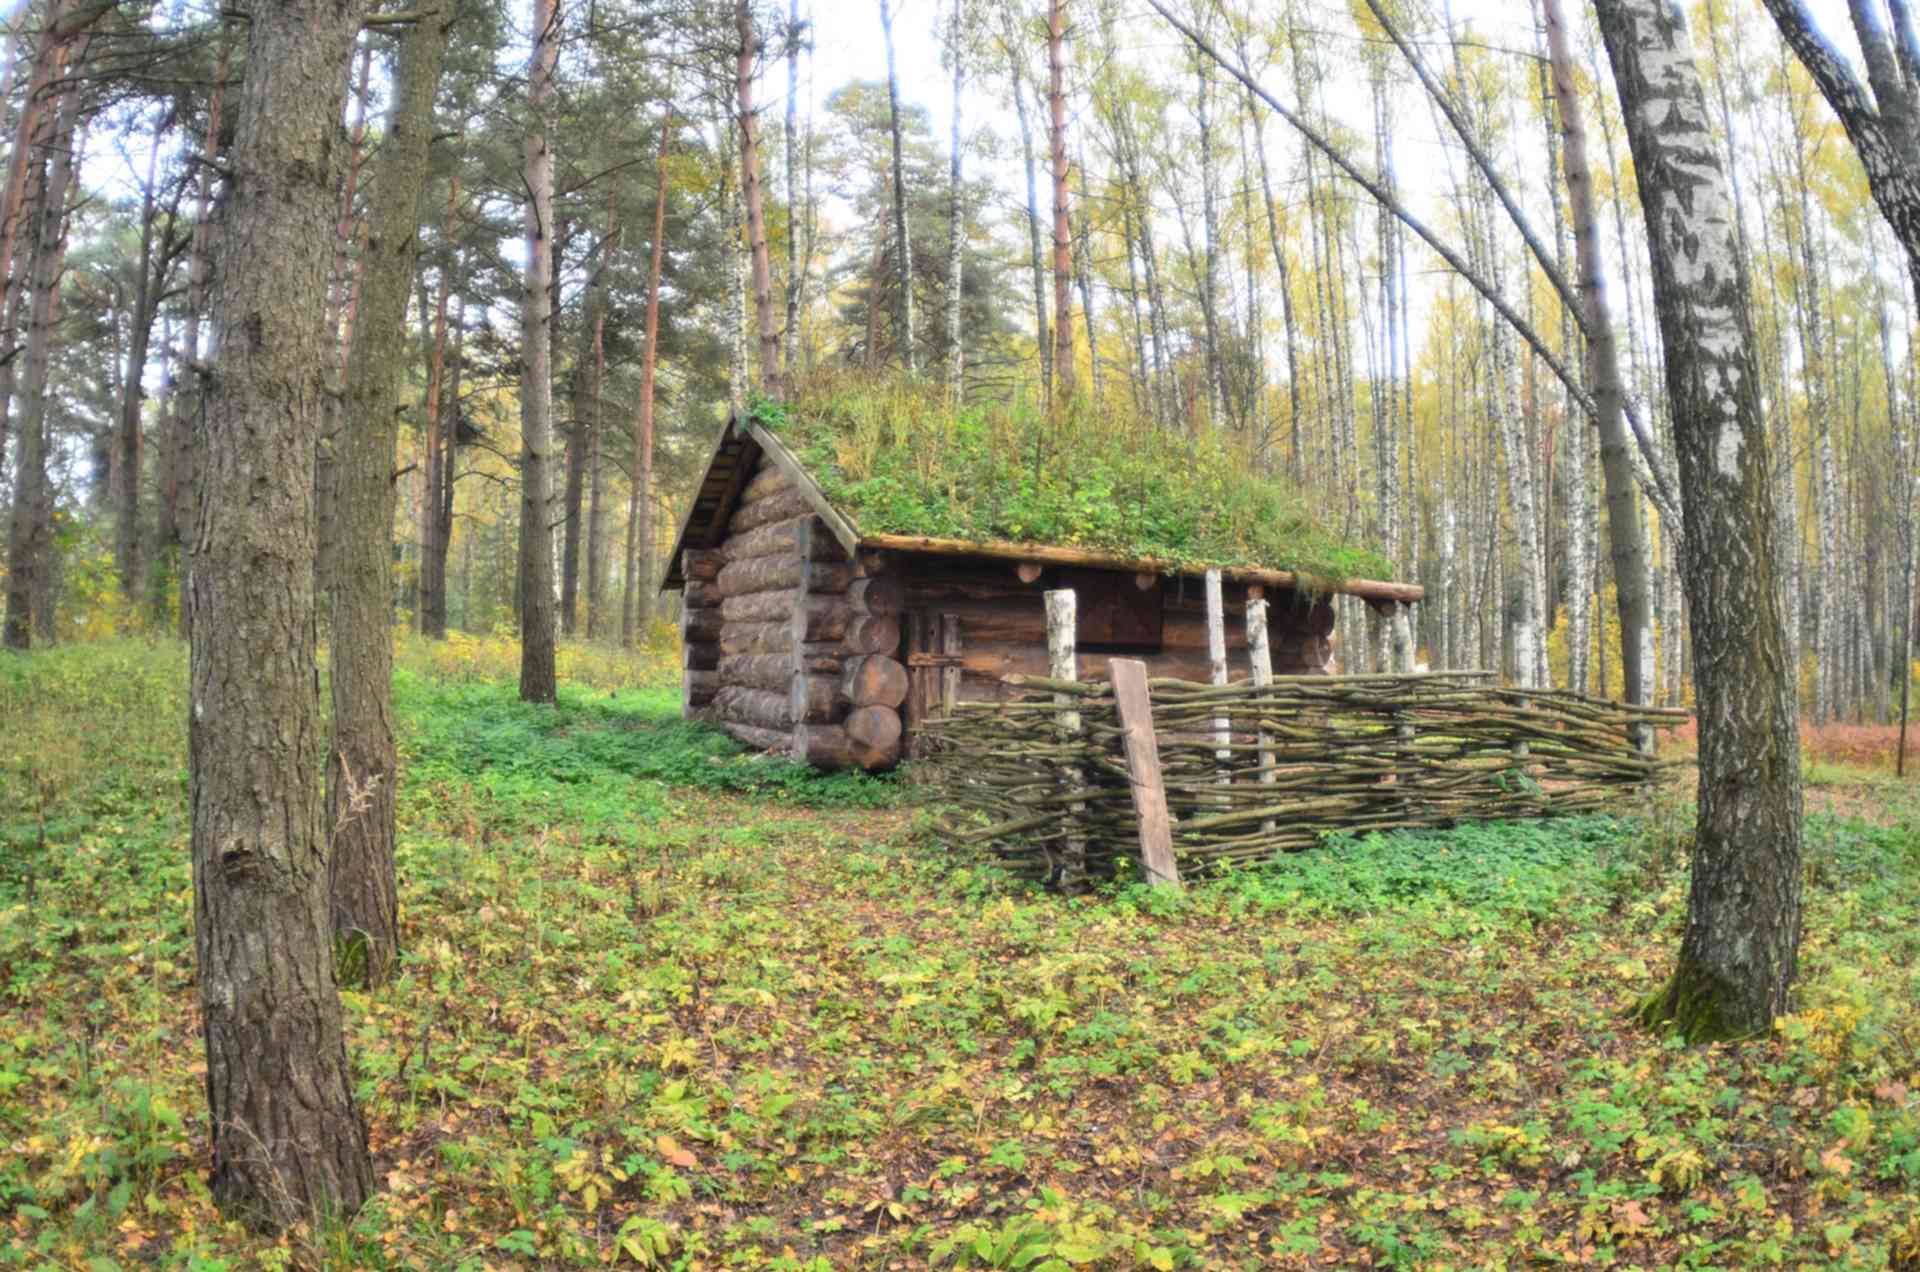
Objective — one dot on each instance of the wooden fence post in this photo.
(1260, 655)
(1063, 663)
(1143, 771)
(1217, 654)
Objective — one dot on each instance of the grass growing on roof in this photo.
(897, 457)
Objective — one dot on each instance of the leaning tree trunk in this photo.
(288, 1142)
(361, 766)
(903, 245)
(536, 385)
(1742, 937)
(1036, 262)
(1633, 591)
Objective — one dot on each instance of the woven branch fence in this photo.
(1048, 781)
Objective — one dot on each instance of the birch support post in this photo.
(1260, 655)
(1063, 663)
(1144, 779)
(1217, 657)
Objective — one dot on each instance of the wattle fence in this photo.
(1067, 778)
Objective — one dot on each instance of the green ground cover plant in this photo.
(900, 459)
(666, 1005)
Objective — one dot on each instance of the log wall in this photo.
(768, 653)
(790, 645)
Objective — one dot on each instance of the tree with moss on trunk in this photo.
(1742, 936)
(361, 765)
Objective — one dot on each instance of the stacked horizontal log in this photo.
(769, 645)
(1350, 753)
(700, 624)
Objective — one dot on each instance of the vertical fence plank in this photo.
(1143, 771)
(1260, 655)
(1217, 654)
(950, 674)
(1063, 663)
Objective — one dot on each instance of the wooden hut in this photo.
(807, 634)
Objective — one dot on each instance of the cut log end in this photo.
(875, 680)
(873, 734)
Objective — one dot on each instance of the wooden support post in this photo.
(950, 674)
(1063, 663)
(1143, 772)
(1260, 655)
(1217, 655)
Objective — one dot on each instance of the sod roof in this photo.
(891, 465)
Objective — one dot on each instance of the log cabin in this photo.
(806, 634)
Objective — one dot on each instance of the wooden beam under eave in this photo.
(1368, 589)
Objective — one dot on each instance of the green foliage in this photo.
(898, 458)
(647, 1016)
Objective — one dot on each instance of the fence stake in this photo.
(1217, 654)
(1063, 663)
(1143, 771)
(1260, 654)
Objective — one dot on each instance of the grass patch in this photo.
(645, 1018)
(899, 458)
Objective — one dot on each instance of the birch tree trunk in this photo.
(1036, 261)
(536, 385)
(288, 1142)
(791, 157)
(1738, 954)
(902, 244)
(956, 222)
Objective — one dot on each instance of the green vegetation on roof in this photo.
(898, 458)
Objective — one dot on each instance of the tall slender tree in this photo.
(537, 602)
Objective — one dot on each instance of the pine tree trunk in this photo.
(288, 1142)
(536, 385)
(1210, 239)
(637, 611)
(127, 448)
(792, 158)
(1063, 367)
(438, 426)
(30, 521)
(1738, 954)
(361, 765)
(750, 192)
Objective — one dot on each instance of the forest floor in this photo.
(665, 1005)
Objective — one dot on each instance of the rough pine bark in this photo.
(1738, 954)
(536, 384)
(361, 764)
(30, 521)
(750, 191)
(1063, 368)
(288, 1142)
(637, 608)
